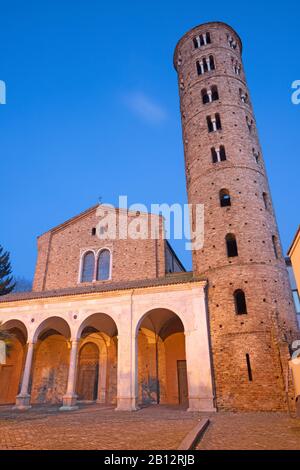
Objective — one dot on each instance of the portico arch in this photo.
(12, 362)
(51, 361)
(162, 376)
(97, 365)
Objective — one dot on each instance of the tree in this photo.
(6, 280)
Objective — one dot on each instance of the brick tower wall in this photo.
(270, 323)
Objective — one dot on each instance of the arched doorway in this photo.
(12, 365)
(88, 372)
(51, 361)
(162, 375)
(97, 362)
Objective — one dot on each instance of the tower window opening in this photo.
(256, 155)
(211, 62)
(222, 153)
(236, 67)
(206, 96)
(249, 123)
(205, 65)
(244, 96)
(265, 198)
(240, 302)
(215, 93)
(275, 246)
(218, 154)
(214, 123)
(249, 367)
(225, 199)
(232, 43)
(94, 231)
(210, 95)
(231, 245)
(202, 40)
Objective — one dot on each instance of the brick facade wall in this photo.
(60, 251)
(265, 331)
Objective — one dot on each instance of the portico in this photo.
(86, 345)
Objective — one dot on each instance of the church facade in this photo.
(119, 321)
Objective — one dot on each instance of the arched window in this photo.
(231, 245)
(205, 96)
(210, 125)
(240, 302)
(211, 63)
(275, 246)
(265, 198)
(222, 153)
(103, 269)
(88, 265)
(200, 69)
(214, 93)
(218, 154)
(255, 155)
(224, 198)
(218, 122)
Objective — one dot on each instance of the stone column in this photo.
(198, 359)
(127, 393)
(70, 398)
(23, 399)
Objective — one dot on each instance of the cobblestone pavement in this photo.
(251, 431)
(153, 428)
(94, 427)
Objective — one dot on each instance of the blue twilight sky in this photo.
(92, 107)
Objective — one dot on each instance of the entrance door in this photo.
(87, 386)
(182, 383)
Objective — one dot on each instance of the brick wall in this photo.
(60, 251)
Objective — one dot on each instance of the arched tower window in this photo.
(215, 93)
(218, 154)
(240, 302)
(231, 245)
(224, 198)
(265, 198)
(244, 96)
(88, 265)
(275, 246)
(103, 268)
(205, 96)
(209, 95)
(214, 123)
(255, 155)
(222, 153)
(211, 62)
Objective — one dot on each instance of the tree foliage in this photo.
(6, 279)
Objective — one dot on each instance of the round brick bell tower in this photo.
(251, 312)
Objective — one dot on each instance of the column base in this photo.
(127, 404)
(22, 402)
(201, 404)
(69, 403)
